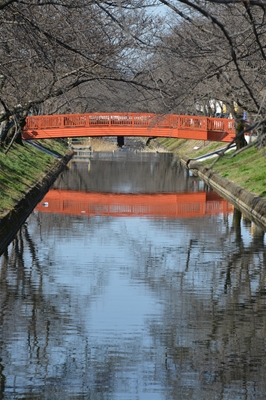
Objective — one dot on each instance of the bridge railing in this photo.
(103, 119)
(192, 122)
(220, 124)
(97, 124)
(132, 119)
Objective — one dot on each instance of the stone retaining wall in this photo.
(12, 221)
(252, 206)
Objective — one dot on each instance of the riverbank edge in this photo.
(13, 219)
(252, 206)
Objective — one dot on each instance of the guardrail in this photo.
(133, 124)
(141, 120)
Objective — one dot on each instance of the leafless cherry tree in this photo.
(77, 56)
(54, 55)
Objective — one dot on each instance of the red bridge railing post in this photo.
(204, 124)
(62, 121)
(87, 121)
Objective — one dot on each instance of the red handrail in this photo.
(129, 124)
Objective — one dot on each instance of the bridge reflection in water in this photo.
(186, 205)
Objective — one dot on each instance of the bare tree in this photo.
(77, 56)
(52, 49)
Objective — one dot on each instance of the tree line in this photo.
(178, 56)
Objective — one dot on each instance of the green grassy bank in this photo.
(247, 169)
(22, 167)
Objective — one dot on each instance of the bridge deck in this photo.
(129, 124)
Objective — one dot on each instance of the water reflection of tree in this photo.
(209, 340)
(154, 173)
(35, 324)
(20, 290)
(219, 342)
(213, 331)
(38, 323)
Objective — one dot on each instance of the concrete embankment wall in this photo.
(12, 221)
(252, 206)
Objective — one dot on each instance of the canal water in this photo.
(132, 281)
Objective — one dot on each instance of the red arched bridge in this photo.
(129, 124)
(166, 205)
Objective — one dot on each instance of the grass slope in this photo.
(21, 168)
(247, 169)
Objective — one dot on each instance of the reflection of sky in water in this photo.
(114, 310)
(133, 308)
(132, 241)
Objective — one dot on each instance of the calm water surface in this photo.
(133, 307)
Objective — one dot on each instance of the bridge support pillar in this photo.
(149, 140)
(120, 141)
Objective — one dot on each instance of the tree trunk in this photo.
(240, 138)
